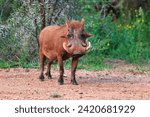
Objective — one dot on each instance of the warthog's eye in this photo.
(70, 36)
(82, 36)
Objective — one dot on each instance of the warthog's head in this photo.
(76, 43)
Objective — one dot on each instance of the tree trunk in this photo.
(42, 13)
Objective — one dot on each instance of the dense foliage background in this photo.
(120, 29)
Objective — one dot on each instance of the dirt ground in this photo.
(123, 81)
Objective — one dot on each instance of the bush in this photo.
(19, 33)
(18, 40)
(127, 40)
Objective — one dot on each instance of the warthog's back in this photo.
(50, 32)
(51, 41)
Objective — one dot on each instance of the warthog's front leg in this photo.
(61, 70)
(73, 70)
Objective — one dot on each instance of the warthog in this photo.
(60, 43)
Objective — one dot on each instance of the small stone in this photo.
(27, 70)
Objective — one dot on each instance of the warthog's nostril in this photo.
(69, 45)
(84, 44)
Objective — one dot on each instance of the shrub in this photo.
(127, 40)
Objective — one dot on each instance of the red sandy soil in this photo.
(123, 81)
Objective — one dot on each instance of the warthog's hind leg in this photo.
(42, 59)
(48, 73)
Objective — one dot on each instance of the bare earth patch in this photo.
(120, 82)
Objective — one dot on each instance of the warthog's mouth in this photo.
(77, 55)
(66, 47)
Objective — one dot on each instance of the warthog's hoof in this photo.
(74, 82)
(49, 77)
(41, 78)
(61, 81)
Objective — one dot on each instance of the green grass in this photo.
(86, 62)
(15, 64)
(4, 64)
(89, 62)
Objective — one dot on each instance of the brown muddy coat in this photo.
(60, 43)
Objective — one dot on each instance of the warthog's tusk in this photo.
(89, 45)
(64, 46)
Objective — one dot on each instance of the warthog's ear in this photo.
(66, 31)
(67, 22)
(82, 21)
(87, 35)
